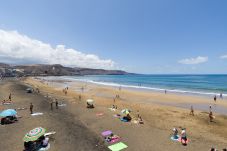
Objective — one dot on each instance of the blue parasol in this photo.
(8, 112)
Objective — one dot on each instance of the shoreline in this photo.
(200, 102)
(138, 88)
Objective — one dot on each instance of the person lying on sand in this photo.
(111, 137)
(127, 117)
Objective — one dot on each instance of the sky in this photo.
(140, 36)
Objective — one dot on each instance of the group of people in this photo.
(42, 142)
(56, 104)
(183, 135)
(220, 96)
(8, 120)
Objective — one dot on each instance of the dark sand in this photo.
(71, 134)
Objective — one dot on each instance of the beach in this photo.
(79, 128)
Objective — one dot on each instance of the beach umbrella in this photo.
(125, 111)
(90, 101)
(34, 134)
(8, 112)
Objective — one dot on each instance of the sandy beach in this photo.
(79, 128)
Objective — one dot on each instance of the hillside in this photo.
(52, 70)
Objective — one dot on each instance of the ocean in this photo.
(191, 84)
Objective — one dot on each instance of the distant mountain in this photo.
(52, 70)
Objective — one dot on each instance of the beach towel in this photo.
(6, 103)
(175, 139)
(124, 120)
(112, 109)
(23, 108)
(46, 148)
(99, 114)
(36, 114)
(61, 105)
(117, 147)
(106, 133)
(114, 140)
(117, 115)
(49, 133)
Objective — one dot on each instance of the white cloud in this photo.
(17, 48)
(223, 57)
(196, 60)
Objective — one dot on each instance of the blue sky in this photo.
(146, 36)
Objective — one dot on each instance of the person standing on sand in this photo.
(56, 103)
(210, 109)
(31, 108)
(165, 91)
(51, 105)
(10, 97)
(138, 114)
(215, 98)
(221, 96)
(192, 111)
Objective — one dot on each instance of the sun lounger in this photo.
(117, 147)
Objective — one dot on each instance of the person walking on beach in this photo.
(31, 108)
(192, 111)
(56, 103)
(165, 91)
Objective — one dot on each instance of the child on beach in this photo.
(175, 133)
(211, 116)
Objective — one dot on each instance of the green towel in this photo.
(118, 146)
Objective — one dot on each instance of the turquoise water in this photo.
(194, 84)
